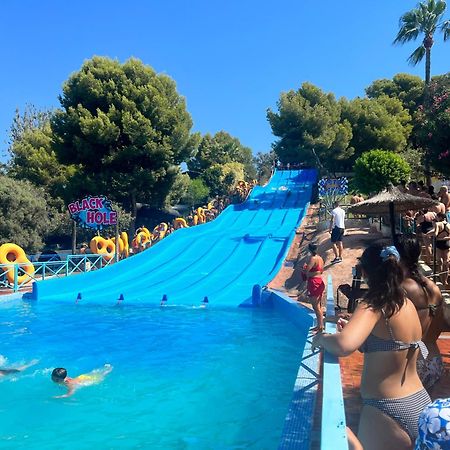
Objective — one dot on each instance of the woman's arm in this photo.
(435, 229)
(353, 334)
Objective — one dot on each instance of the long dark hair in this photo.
(409, 248)
(312, 247)
(384, 278)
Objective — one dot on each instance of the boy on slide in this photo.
(5, 372)
(59, 376)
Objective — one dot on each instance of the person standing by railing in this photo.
(312, 274)
(444, 197)
(442, 242)
(427, 299)
(386, 328)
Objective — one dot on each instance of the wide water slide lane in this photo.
(185, 272)
(190, 271)
(139, 276)
(240, 285)
(213, 248)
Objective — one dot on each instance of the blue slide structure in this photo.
(221, 260)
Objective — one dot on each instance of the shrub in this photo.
(375, 169)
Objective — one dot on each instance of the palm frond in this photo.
(445, 28)
(406, 34)
(417, 55)
(409, 28)
(440, 8)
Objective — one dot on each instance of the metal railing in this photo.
(16, 276)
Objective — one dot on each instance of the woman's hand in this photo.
(317, 341)
(340, 324)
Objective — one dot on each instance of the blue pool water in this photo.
(183, 378)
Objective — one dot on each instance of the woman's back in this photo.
(392, 373)
(317, 264)
(426, 297)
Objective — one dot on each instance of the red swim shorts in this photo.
(316, 286)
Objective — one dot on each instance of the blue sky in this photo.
(230, 59)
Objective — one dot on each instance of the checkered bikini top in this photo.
(376, 344)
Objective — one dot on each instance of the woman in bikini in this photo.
(386, 328)
(427, 299)
(442, 233)
(312, 273)
(425, 223)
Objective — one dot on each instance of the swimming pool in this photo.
(183, 378)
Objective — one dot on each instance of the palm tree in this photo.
(424, 20)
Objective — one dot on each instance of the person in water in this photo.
(59, 376)
(12, 371)
(386, 328)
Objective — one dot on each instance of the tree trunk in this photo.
(428, 43)
(427, 65)
(133, 215)
(74, 237)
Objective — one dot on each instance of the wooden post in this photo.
(392, 220)
(74, 237)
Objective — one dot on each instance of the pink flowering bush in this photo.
(433, 124)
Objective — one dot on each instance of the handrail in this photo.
(49, 269)
(333, 432)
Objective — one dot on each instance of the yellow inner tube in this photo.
(179, 222)
(12, 253)
(124, 237)
(102, 246)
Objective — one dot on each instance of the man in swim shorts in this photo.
(337, 230)
(59, 376)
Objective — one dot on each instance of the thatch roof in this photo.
(379, 204)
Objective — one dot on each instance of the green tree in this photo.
(24, 214)
(377, 123)
(197, 193)
(374, 170)
(415, 159)
(403, 86)
(264, 163)
(222, 148)
(309, 127)
(178, 190)
(222, 178)
(127, 128)
(33, 157)
(423, 20)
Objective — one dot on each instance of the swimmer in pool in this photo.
(59, 375)
(11, 371)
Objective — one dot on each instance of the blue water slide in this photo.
(221, 260)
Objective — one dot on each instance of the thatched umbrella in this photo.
(391, 201)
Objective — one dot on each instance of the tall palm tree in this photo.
(424, 20)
